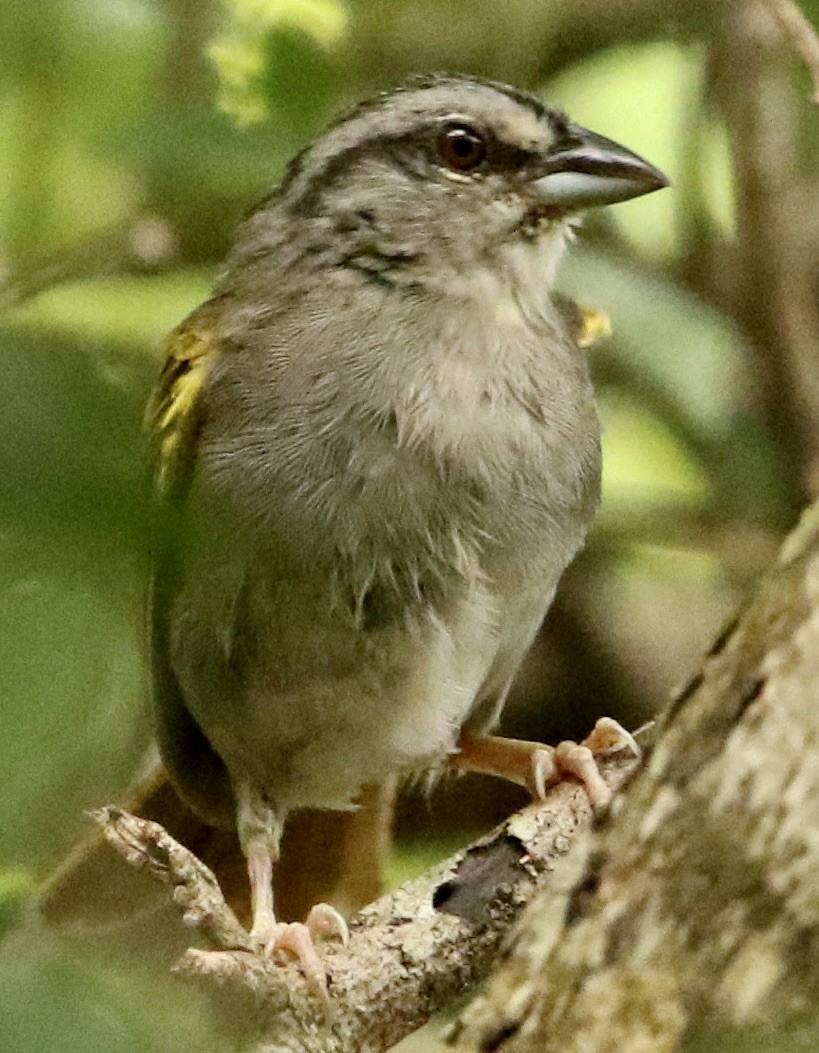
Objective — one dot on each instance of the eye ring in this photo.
(461, 148)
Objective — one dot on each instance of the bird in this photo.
(377, 449)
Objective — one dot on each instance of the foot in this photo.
(278, 939)
(539, 767)
(296, 939)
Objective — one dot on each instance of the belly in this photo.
(328, 698)
(330, 703)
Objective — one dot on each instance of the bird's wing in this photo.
(173, 414)
(584, 325)
(174, 417)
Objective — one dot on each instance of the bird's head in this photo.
(448, 173)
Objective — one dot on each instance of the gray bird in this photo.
(377, 451)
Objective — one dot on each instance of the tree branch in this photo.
(698, 909)
(194, 889)
(775, 265)
(141, 244)
(411, 953)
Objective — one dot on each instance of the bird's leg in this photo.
(293, 938)
(537, 767)
(260, 872)
(260, 829)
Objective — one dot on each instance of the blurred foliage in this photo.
(264, 53)
(133, 135)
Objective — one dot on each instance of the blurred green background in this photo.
(134, 134)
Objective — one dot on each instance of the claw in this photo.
(325, 922)
(298, 940)
(544, 772)
(539, 767)
(275, 938)
(607, 736)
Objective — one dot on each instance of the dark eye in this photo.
(461, 147)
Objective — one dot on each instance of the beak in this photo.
(592, 170)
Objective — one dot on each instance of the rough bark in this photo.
(697, 923)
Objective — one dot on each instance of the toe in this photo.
(325, 922)
(296, 940)
(578, 760)
(544, 772)
(265, 932)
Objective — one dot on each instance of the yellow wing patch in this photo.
(594, 326)
(585, 324)
(172, 413)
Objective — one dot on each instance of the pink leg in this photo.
(260, 872)
(275, 938)
(537, 767)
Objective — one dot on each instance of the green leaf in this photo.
(273, 53)
(691, 351)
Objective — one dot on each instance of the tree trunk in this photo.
(697, 923)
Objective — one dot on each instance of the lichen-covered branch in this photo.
(701, 912)
(411, 953)
(193, 888)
